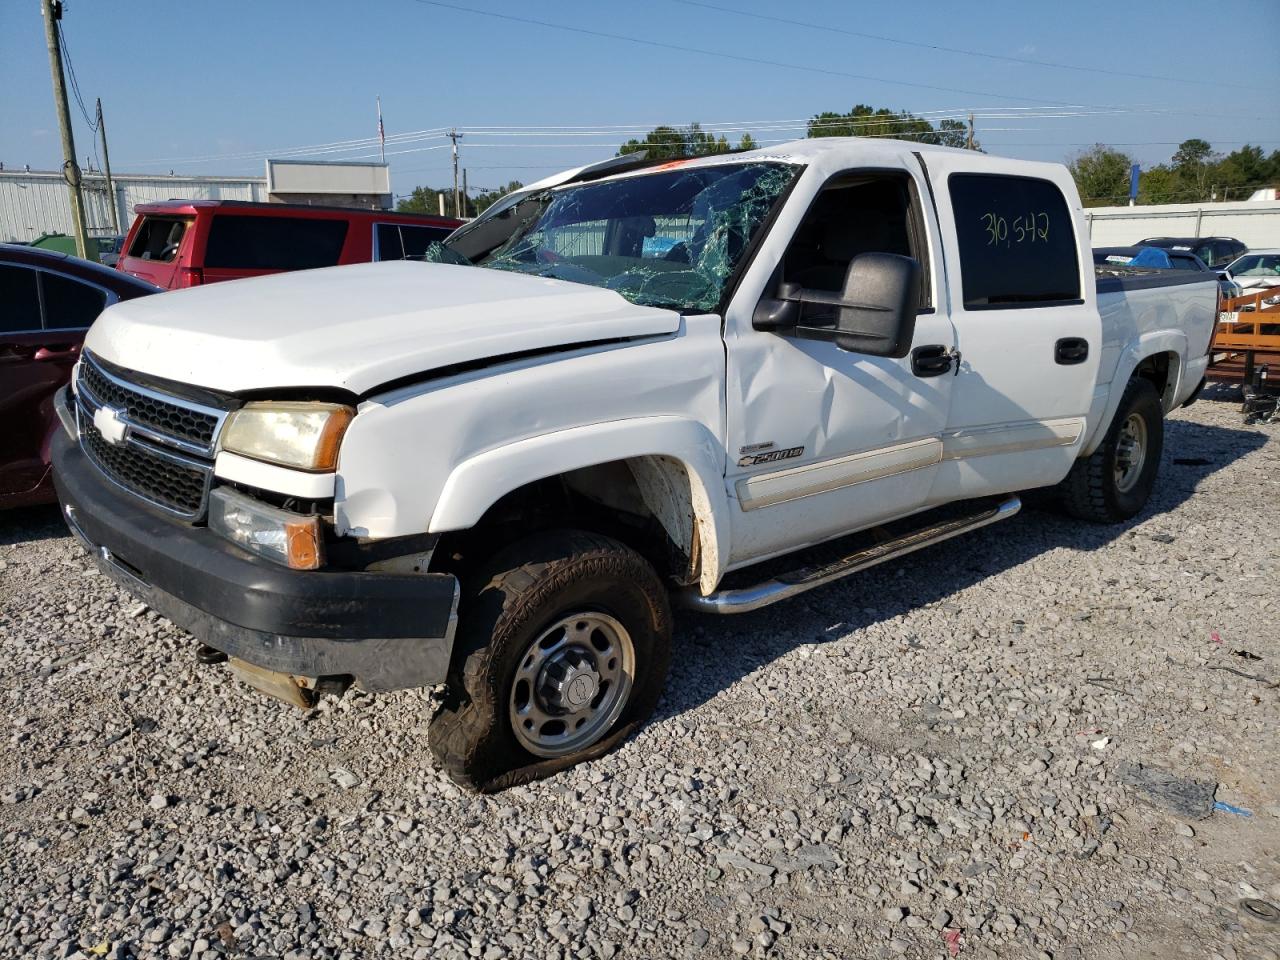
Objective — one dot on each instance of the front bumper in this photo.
(386, 631)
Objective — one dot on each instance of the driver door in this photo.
(823, 441)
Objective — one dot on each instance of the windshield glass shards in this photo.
(669, 239)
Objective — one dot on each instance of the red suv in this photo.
(184, 243)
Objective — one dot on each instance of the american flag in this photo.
(382, 133)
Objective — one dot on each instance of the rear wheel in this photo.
(1114, 482)
(562, 654)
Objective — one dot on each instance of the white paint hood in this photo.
(358, 327)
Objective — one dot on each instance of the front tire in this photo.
(1114, 482)
(562, 653)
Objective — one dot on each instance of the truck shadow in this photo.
(30, 524)
(716, 652)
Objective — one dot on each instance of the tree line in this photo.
(667, 142)
(1193, 174)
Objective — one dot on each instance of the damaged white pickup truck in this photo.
(496, 470)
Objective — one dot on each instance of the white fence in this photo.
(1255, 223)
(37, 202)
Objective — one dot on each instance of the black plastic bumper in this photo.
(388, 631)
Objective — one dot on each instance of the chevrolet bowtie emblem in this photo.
(110, 424)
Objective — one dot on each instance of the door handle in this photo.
(44, 353)
(1071, 350)
(932, 360)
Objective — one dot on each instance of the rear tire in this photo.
(1114, 482)
(562, 653)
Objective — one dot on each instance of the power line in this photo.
(91, 122)
(828, 28)
(759, 61)
(615, 131)
(75, 84)
(608, 136)
(662, 45)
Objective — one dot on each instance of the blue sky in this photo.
(214, 88)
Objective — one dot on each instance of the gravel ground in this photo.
(1008, 746)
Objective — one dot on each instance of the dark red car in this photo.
(185, 243)
(47, 301)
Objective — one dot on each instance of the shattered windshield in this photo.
(668, 239)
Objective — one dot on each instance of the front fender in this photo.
(476, 484)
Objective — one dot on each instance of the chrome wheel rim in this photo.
(572, 683)
(1131, 452)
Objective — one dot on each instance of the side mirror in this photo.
(877, 310)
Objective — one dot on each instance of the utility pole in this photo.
(969, 143)
(455, 136)
(106, 163)
(51, 10)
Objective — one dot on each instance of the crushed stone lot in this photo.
(1030, 743)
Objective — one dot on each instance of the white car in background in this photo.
(1255, 270)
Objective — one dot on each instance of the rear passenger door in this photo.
(1024, 308)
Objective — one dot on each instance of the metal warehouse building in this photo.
(36, 202)
(1254, 222)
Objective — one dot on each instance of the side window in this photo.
(398, 241)
(1017, 242)
(273, 243)
(158, 238)
(70, 304)
(853, 215)
(389, 242)
(19, 300)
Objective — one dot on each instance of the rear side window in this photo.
(398, 241)
(19, 300)
(158, 238)
(70, 304)
(273, 243)
(1017, 242)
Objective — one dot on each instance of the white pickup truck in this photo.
(498, 469)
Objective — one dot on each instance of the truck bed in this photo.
(1113, 278)
(1142, 302)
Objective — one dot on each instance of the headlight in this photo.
(291, 434)
(287, 538)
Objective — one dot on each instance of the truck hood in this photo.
(358, 327)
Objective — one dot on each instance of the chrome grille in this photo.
(169, 417)
(165, 455)
(150, 474)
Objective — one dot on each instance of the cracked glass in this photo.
(669, 238)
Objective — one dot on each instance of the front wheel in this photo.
(562, 653)
(1114, 482)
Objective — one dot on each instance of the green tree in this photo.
(673, 143)
(1194, 163)
(867, 121)
(426, 200)
(1242, 171)
(1159, 184)
(1101, 174)
(748, 142)
(423, 200)
(483, 200)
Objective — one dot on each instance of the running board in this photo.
(788, 585)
